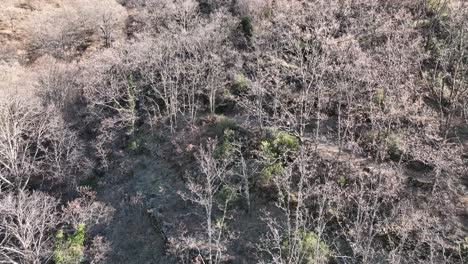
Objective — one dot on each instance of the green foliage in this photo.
(241, 84)
(379, 97)
(437, 5)
(266, 149)
(247, 27)
(393, 142)
(226, 148)
(223, 123)
(270, 170)
(311, 248)
(220, 223)
(279, 145)
(285, 142)
(133, 145)
(272, 165)
(273, 151)
(226, 194)
(69, 251)
(395, 146)
(292, 199)
(342, 181)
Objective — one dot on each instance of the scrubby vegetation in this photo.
(71, 249)
(233, 131)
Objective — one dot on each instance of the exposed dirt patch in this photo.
(132, 234)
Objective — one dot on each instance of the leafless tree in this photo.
(445, 69)
(18, 155)
(99, 250)
(61, 32)
(214, 176)
(57, 83)
(86, 210)
(175, 16)
(182, 70)
(296, 236)
(35, 143)
(27, 223)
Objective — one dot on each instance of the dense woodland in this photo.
(233, 131)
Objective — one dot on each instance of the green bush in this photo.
(395, 147)
(465, 243)
(223, 123)
(270, 170)
(312, 250)
(69, 251)
(342, 181)
(133, 145)
(273, 152)
(226, 193)
(285, 142)
(279, 145)
(379, 97)
(241, 84)
(266, 149)
(271, 164)
(437, 6)
(393, 142)
(226, 148)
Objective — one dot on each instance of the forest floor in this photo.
(131, 233)
(153, 182)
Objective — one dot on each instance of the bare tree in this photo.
(19, 154)
(296, 236)
(35, 143)
(27, 223)
(86, 210)
(444, 71)
(66, 31)
(182, 70)
(57, 83)
(175, 16)
(214, 176)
